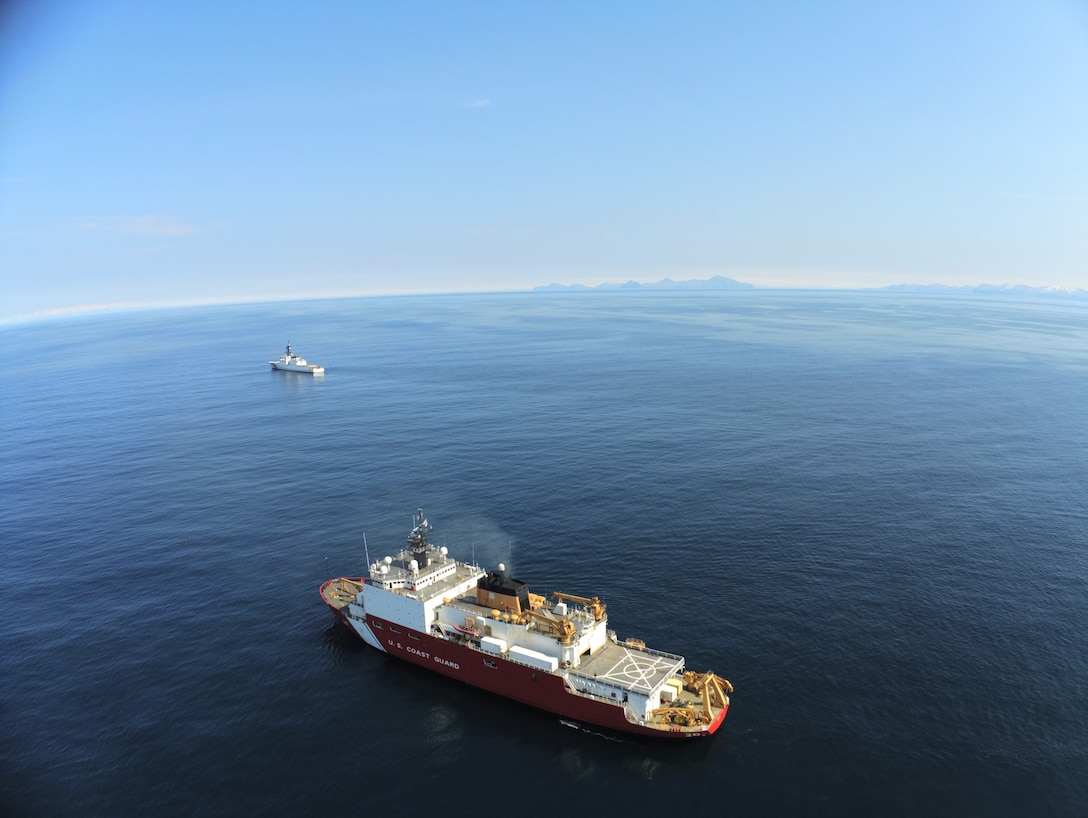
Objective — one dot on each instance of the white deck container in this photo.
(534, 659)
(490, 644)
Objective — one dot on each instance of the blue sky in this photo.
(182, 152)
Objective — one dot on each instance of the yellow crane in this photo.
(595, 606)
(712, 689)
(672, 714)
(563, 629)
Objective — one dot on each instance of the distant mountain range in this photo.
(725, 283)
(715, 283)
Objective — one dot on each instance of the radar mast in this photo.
(417, 540)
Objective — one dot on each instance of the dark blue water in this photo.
(868, 511)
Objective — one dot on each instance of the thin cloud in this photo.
(153, 225)
(482, 102)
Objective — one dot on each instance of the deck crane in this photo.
(562, 629)
(595, 606)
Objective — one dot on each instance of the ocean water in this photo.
(867, 510)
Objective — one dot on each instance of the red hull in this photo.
(536, 688)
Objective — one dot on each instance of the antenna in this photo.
(366, 551)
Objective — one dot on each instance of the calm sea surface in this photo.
(869, 511)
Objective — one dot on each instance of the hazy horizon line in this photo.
(538, 289)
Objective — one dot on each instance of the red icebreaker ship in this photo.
(486, 629)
